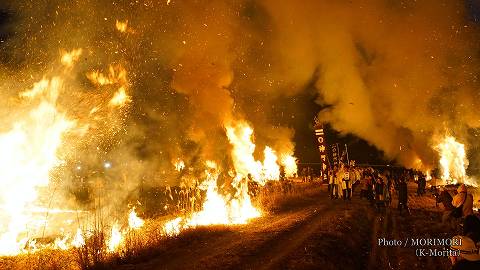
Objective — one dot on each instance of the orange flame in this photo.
(69, 58)
(32, 146)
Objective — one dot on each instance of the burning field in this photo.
(38, 162)
(132, 131)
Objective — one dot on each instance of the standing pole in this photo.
(338, 151)
(346, 149)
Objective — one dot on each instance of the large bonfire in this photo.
(453, 161)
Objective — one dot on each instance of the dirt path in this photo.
(318, 234)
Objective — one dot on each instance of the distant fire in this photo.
(179, 165)
(217, 208)
(453, 161)
(240, 136)
(290, 163)
(221, 209)
(271, 170)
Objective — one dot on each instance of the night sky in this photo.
(299, 112)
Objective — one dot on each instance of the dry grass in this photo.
(44, 259)
(93, 252)
(277, 196)
(150, 240)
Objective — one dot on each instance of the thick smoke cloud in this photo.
(396, 74)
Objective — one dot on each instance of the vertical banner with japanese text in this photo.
(320, 134)
(335, 154)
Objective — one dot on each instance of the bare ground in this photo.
(313, 232)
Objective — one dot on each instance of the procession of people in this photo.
(379, 187)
